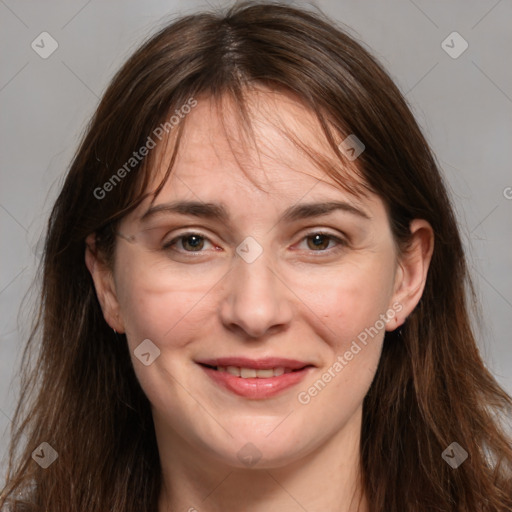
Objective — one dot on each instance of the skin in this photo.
(294, 301)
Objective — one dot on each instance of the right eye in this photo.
(189, 242)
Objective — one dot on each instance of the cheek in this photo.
(352, 328)
(169, 319)
(349, 301)
(157, 310)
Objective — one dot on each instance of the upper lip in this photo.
(258, 364)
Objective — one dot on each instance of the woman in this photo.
(254, 293)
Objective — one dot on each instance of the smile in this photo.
(248, 373)
(256, 379)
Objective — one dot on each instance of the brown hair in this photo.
(431, 388)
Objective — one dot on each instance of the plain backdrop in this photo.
(463, 104)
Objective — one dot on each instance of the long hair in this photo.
(80, 394)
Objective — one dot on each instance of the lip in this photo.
(256, 388)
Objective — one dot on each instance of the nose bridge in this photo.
(253, 266)
(256, 298)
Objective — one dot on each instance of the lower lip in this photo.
(256, 388)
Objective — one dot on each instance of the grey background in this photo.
(464, 106)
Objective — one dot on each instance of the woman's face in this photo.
(273, 284)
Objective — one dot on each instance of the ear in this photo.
(412, 269)
(104, 284)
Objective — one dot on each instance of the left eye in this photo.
(319, 242)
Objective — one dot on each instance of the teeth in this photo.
(251, 373)
(263, 374)
(233, 370)
(247, 373)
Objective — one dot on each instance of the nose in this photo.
(257, 302)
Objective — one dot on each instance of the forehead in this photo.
(269, 154)
(254, 174)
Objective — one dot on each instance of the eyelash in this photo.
(341, 243)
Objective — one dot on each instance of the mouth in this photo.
(251, 373)
(256, 379)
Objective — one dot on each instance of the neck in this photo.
(324, 479)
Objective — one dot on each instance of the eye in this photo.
(189, 242)
(320, 241)
(316, 241)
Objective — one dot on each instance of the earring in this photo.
(114, 330)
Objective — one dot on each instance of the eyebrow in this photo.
(219, 213)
